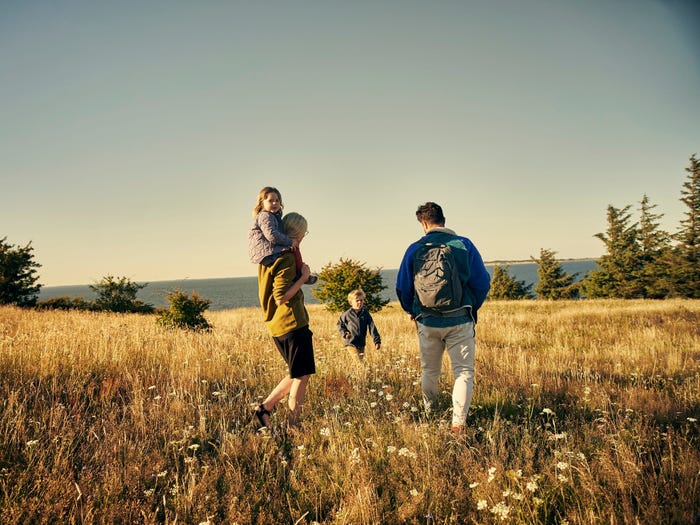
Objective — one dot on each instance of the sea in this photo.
(241, 292)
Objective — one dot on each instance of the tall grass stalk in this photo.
(583, 412)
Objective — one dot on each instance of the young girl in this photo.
(266, 237)
(267, 240)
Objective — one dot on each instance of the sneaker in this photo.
(312, 279)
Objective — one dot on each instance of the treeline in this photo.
(642, 261)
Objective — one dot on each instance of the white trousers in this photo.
(459, 341)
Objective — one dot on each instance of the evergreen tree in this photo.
(618, 269)
(119, 295)
(505, 286)
(336, 281)
(684, 260)
(554, 282)
(654, 245)
(18, 275)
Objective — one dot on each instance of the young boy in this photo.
(355, 322)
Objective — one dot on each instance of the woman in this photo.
(286, 318)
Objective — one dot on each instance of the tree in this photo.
(119, 295)
(554, 282)
(18, 277)
(684, 261)
(654, 246)
(337, 280)
(505, 286)
(185, 311)
(618, 269)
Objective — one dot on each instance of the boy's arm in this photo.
(373, 330)
(296, 286)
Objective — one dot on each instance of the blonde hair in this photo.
(262, 195)
(356, 294)
(294, 224)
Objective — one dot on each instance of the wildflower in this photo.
(474, 485)
(372, 404)
(156, 398)
(562, 465)
(501, 510)
(390, 449)
(562, 478)
(403, 451)
(336, 407)
(217, 394)
(518, 497)
(537, 501)
(692, 420)
(163, 474)
(414, 493)
(556, 437)
(32, 443)
(506, 493)
(492, 472)
(355, 456)
(149, 492)
(587, 390)
(548, 411)
(193, 446)
(152, 387)
(389, 397)
(581, 456)
(531, 486)
(325, 431)
(481, 505)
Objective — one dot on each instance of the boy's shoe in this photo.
(312, 279)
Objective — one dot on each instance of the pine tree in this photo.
(554, 282)
(684, 261)
(618, 269)
(654, 245)
(504, 286)
(18, 276)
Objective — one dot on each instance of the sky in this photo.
(135, 135)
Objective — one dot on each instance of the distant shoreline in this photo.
(530, 261)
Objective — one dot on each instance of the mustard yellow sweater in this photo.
(273, 281)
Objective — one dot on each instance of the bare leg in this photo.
(278, 394)
(297, 393)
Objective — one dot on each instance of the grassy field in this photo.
(583, 412)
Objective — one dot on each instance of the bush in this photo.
(118, 294)
(18, 277)
(66, 303)
(337, 280)
(185, 311)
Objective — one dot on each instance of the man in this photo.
(446, 323)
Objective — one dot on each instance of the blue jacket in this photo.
(474, 277)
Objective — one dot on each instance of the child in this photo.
(355, 322)
(266, 237)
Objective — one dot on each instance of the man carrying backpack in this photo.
(442, 282)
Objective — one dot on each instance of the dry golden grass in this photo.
(583, 412)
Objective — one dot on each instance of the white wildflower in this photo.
(481, 505)
(32, 443)
(548, 411)
(562, 465)
(389, 397)
(474, 485)
(531, 486)
(390, 449)
(325, 431)
(492, 472)
(414, 493)
(692, 420)
(501, 510)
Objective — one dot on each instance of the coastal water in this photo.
(238, 292)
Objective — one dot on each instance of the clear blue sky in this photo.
(134, 136)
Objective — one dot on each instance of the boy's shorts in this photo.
(297, 349)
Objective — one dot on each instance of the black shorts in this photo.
(297, 349)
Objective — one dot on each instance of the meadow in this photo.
(584, 412)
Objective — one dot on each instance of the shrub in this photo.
(118, 294)
(185, 311)
(337, 280)
(66, 303)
